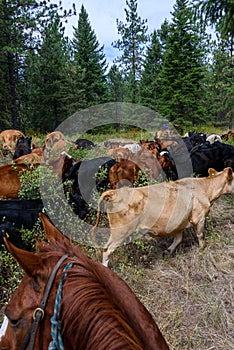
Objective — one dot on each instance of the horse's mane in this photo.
(91, 317)
(99, 310)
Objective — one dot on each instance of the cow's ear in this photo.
(27, 260)
(51, 232)
(229, 174)
(212, 172)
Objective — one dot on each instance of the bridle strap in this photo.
(39, 312)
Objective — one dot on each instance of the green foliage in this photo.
(132, 41)
(219, 13)
(89, 61)
(45, 78)
(116, 85)
(10, 271)
(49, 93)
(10, 275)
(218, 90)
(30, 237)
(182, 69)
(149, 86)
(21, 23)
(29, 180)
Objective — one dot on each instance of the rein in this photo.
(39, 312)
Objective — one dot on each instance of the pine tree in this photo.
(49, 92)
(116, 84)
(19, 21)
(219, 13)
(149, 87)
(132, 44)
(219, 100)
(183, 69)
(89, 60)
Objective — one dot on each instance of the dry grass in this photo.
(190, 294)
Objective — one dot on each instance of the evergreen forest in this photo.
(179, 70)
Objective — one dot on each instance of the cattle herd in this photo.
(122, 171)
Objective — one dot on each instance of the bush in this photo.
(29, 180)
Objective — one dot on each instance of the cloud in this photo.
(103, 14)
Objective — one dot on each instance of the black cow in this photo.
(217, 155)
(84, 143)
(88, 176)
(23, 147)
(193, 139)
(8, 230)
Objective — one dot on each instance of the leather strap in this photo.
(39, 312)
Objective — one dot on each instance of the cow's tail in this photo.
(104, 197)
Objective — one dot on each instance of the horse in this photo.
(68, 301)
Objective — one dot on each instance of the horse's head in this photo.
(98, 309)
(21, 309)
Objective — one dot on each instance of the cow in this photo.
(54, 144)
(23, 147)
(87, 176)
(13, 234)
(10, 179)
(216, 155)
(120, 153)
(9, 138)
(31, 158)
(228, 135)
(133, 147)
(39, 150)
(164, 209)
(62, 164)
(193, 139)
(84, 143)
(213, 138)
(124, 172)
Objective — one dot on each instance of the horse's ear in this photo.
(51, 232)
(27, 260)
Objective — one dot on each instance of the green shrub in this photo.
(29, 180)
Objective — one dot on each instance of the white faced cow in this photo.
(163, 209)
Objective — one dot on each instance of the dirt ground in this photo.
(191, 294)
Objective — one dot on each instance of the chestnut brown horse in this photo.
(88, 307)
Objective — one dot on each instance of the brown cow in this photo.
(55, 143)
(32, 158)
(124, 172)
(38, 150)
(163, 209)
(61, 164)
(10, 179)
(9, 138)
(120, 153)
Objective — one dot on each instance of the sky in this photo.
(102, 15)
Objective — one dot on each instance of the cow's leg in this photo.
(200, 234)
(177, 240)
(110, 247)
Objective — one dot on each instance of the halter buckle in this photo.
(40, 310)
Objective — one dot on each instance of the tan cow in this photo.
(9, 138)
(163, 209)
(55, 143)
